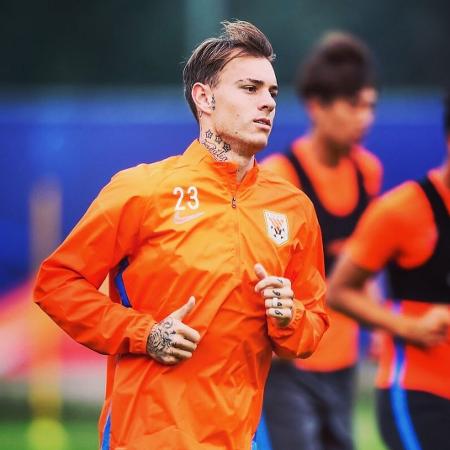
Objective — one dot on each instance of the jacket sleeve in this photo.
(306, 272)
(68, 281)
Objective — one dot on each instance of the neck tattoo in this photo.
(216, 146)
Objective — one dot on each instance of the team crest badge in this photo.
(277, 227)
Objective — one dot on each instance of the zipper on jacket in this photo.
(237, 233)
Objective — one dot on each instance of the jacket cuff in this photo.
(298, 313)
(138, 343)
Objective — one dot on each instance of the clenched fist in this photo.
(277, 294)
(171, 341)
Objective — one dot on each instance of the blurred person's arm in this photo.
(348, 295)
(372, 246)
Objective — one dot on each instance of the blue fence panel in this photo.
(82, 140)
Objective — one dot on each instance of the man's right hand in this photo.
(171, 341)
(428, 330)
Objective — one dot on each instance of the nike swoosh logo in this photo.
(178, 219)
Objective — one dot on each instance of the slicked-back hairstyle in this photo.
(339, 66)
(239, 38)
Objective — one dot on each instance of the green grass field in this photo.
(366, 432)
(82, 433)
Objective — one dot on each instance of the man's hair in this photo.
(339, 66)
(238, 38)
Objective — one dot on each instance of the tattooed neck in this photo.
(218, 148)
(222, 151)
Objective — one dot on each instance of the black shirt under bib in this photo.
(429, 282)
(334, 228)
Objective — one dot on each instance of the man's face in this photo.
(245, 103)
(345, 121)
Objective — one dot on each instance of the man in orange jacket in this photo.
(406, 231)
(189, 243)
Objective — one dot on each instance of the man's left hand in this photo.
(277, 294)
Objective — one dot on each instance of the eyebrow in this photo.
(259, 83)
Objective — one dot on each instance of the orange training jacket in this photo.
(164, 232)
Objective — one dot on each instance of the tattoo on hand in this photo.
(277, 293)
(160, 338)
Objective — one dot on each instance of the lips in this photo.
(263, 121)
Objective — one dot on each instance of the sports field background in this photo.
(80, 420)
(82, 432)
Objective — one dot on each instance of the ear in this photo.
(202, 96)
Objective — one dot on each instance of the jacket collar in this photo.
(197, 154)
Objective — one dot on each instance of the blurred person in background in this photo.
(406, 232)
(190, 242)
(308, 403)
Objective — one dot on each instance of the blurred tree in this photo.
(144, 42)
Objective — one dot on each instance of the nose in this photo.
(268, 101)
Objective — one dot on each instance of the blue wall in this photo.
(82, 139)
